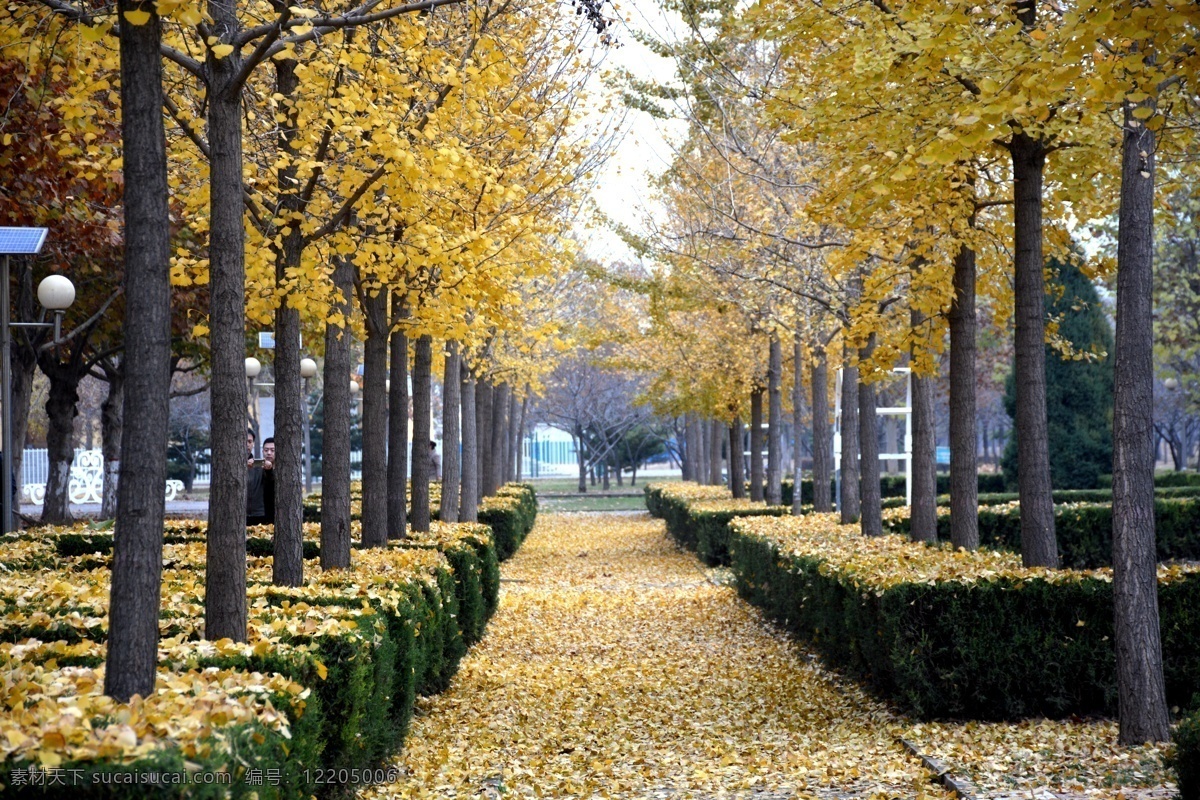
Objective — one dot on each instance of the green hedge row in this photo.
(892, 486)
(1084, 531)
(1078, 496)
(364, 680)
(1186, 759)
(1163, 479)
(405, 641)
(704, 531)
(510, 513)
(253, 744)
(510, 525)
(993, 648)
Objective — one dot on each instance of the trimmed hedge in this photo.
(510, 513)
(1064, 496)
(1186, 759)
(891, 486)
(1083, 530)
(1172, 479)
(231, 751)
(994, 647)
(365, 642)
(703, 526)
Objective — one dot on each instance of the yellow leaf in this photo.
(137, 17)
(222, 50)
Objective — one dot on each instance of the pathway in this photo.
(618, 667)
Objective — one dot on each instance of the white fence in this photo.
(86, 483)
(35, 468)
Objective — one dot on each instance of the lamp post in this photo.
(308, 369)
(55, 293)
(253, 367)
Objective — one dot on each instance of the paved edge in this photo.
(962, 788)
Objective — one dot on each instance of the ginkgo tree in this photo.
(224, 35)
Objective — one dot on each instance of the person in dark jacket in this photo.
(260, 484)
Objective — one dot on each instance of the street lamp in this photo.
(1171, 384)
(253, 367)
(56, 293)
(308, 369)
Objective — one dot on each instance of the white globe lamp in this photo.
(56, 292)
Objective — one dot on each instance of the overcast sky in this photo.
(622, 188)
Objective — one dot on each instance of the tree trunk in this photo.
(923, 514)
(485, 395)
(737, 477)
(797, 422)
(131, 663)
(715, 436)
(512, 442)
(451, 391)
(225, 567)
(499, 427)
(891, 441)
(288, 563)
(335, 438)
(468, 507)
(375, 421)
(1140, 688)
(964, 481)
(604, 474)
(849, 504)
(703, 452)
(397, 454)
(691, 451)
(521, 434)
(583, 470)
(111, 428)
(23, 356)
(868, 443)
(756, 445)
(1038, 544)
(422, 458)
(774, 488)
(695, 447)
(822, 435)
(287, 566)
(60, 440)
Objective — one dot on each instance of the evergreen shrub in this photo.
(954, 635)
(511, 513)
(1186, 759)
(361, 644)
(1083, 530)
(891, 487)
(1173, 479)
(698, 517)
(1079, 391)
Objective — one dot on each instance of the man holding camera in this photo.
(260, 483)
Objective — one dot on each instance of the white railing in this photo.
(86, 482)
(35, 469)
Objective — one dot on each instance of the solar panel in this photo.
(21, 241)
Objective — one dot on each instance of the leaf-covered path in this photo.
(617, 667)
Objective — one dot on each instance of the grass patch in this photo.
(585, 503)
